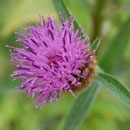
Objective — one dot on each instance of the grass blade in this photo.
(115, 87)
(61, 7)
(81, 107)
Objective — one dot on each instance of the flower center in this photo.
(53, 61)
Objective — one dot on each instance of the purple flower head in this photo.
(53, 59)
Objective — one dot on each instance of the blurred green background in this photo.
(108, 19)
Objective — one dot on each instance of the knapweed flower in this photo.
(54, 59)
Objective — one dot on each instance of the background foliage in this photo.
(108, 19)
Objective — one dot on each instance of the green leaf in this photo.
(116, 48)
(61, 7)
(115, 87)
(95, 44)
(81, 107)
(85, 10)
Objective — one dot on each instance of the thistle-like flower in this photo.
(53, 59)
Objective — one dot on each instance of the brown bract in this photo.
(91, 69)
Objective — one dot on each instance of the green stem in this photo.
(97, 18)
